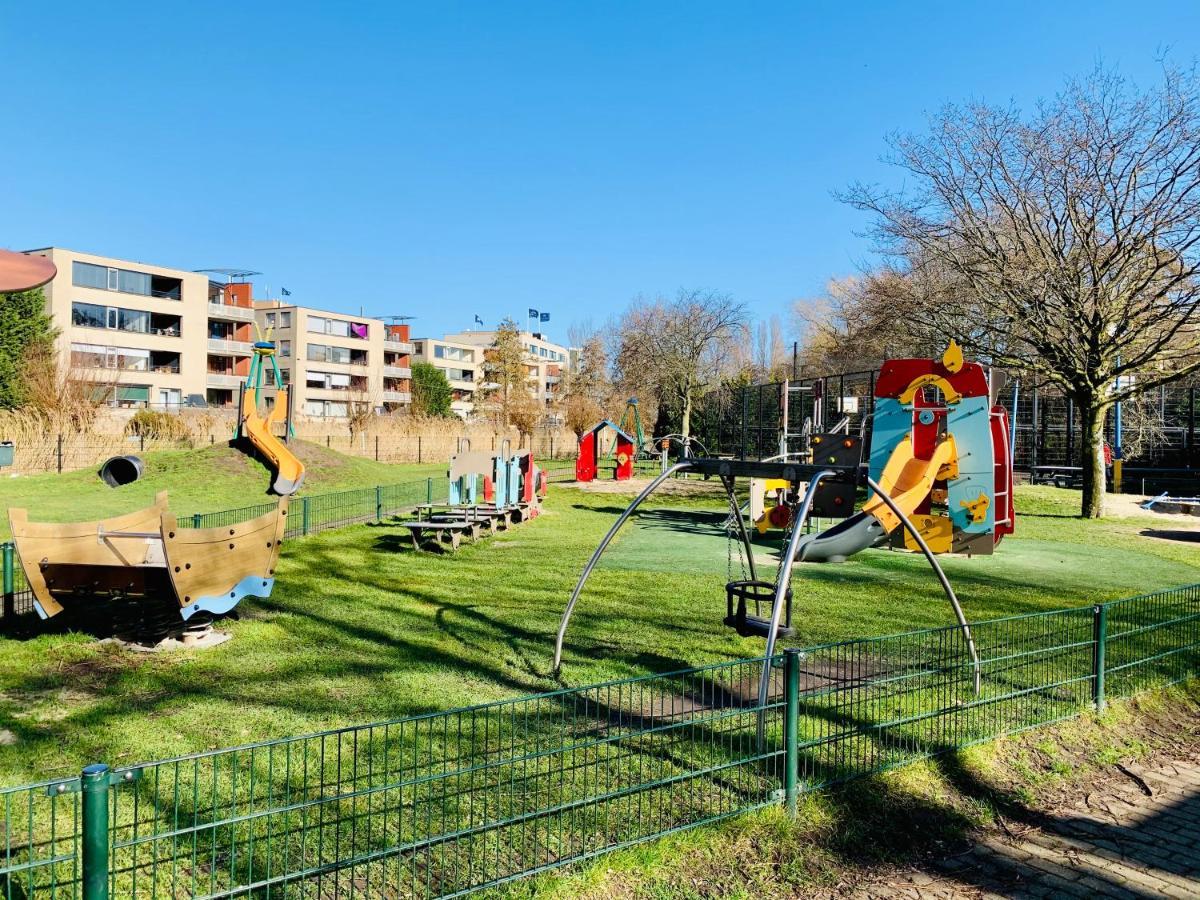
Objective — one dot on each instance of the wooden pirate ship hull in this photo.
(146, 554)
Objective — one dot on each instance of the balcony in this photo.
(217, 380)
(553, 379)
(397, 372)
(397, 397)
(398, 346)
(217, 345)
(461, 385)
(218, 310)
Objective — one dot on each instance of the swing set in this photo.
(939, 476)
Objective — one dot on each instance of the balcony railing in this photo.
(397, 372)
(462, 384)
(219, 310)
(397, 397)
(398, 346)
(220, 380)
(221, 345)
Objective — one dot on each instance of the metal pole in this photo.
(304, 515)
(1012, 438)
(60, 461)
(736, 511)
(9, 591)
(1099, 642)
(378, 503)
(587, 570)
(429, 490)
(781, 588)
(95, 846)
(916, 535)
(1038, 437)
(791, 728)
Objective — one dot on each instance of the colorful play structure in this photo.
(938, 480)
(591, 456)
(146, 555)
(486, 493)
(258, 429)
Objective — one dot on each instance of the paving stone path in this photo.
(1135, 835)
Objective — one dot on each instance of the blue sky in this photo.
(445, 160)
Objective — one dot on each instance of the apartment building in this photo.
(333, 360)
(546, 361)
(461, 357)
(462, 364)
(138, 330)
(155, 336)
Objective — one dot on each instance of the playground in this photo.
(361, 628)
(398, 602)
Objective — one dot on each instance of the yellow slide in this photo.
(908, 482)
(289, 471)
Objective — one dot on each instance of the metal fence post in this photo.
(10, 606)
(378, 503)
(95, 844)
(1099, 640)
(418, 448)
(791, 728)
(429, 490)
(376, 448)
(60, 453)
(304, 515)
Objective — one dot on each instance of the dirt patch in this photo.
(1129, 506)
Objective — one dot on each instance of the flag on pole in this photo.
(533, 313)
(545, 317)
(285, 292)
(479, 320)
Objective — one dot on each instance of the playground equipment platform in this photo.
(146, 554)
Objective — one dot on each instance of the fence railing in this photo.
(70, 452)
(442, 804)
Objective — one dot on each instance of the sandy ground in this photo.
(1130, 506)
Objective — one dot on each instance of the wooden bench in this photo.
(496, 518)
(450, 532)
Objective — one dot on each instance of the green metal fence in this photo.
(443, 804)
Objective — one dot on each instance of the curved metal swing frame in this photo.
(785, 571)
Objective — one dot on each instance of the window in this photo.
(96, 356)
(87, 275)
(439, 352)
(317, 325)
(133, 282)
(285, 320)
(133, 320)
(131, 360)
(107, 278)
(337, 327)
(419, 346)
(90, 315)
(316, 352)
(270, 320)
(285, 348)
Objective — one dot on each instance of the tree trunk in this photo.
(1095, 471)
(685, 427)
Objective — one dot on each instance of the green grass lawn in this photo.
(361, 628)
(205, 480)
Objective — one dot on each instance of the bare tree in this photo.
(679, 347)
(857, 323)
(1063, 244)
